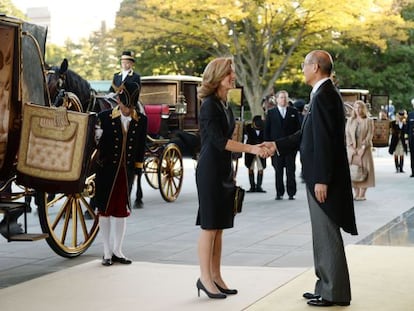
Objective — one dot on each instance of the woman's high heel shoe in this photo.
(210, 295)
(227, 291)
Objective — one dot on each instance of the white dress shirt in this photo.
(125, 122)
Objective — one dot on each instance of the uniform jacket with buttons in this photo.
(115, 152)
(131, 78)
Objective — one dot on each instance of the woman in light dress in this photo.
(359, 131)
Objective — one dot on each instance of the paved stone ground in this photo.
(267, 233)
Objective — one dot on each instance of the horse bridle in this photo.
(59, 84)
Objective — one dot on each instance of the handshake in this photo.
(265, 149)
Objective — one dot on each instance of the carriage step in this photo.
(10, 207)
(12, 211)
(28, 237)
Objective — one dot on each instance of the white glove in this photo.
(98, 134)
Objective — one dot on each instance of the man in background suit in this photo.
(282, 122)
(328, 182)
(410, 129)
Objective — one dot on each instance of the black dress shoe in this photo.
(326, 303)
(291, 197)
(278, 197)
(106, 262)
(123, 260)
(311, 296)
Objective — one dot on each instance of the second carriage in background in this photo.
(172, 107)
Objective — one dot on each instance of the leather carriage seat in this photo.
(154, 113)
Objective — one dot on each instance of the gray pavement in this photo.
(267, 233)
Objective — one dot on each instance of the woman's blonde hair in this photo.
(214, 73)
(364, 112)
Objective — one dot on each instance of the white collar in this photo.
(318, 84)
(125, 118)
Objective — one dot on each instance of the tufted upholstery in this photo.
(50, 154)
(4, 124)
(49, 151)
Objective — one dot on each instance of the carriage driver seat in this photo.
(155, 114)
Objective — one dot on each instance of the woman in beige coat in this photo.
(359, 131)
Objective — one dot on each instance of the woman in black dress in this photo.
(215, 171)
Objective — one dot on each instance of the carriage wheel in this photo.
(151, 171)
(69, 219)
(70, 233)
(170, 174)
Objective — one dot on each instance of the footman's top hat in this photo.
(128, 55)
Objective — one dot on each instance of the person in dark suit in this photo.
(129, 79)
(281, 122)
(121, 135)
(410, 131)
(254, 132)
(127, 74)
(328, 181)
(214, 172)
(398, 145)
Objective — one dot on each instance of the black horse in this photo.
(61, 80)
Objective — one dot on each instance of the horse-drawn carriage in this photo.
(48, 153)
(171, 106)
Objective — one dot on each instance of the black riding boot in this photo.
(259, 182)
(251, 180)
(401, 164)
(397, 164)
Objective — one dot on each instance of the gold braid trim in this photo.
(61, 117)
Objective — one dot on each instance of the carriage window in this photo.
(156, 93)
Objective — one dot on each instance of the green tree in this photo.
(102, 60)
(268, 39)
(7, 7)
(93, 59)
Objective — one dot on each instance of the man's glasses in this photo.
(302, 65)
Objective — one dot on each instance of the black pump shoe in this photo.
(226, 290)
(210, 295)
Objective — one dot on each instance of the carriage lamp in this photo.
(181, 105)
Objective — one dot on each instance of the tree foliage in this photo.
(93, 59)
(8, 8)
(371, 42)
(268, 38)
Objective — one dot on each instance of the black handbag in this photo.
(238, 199)
(233, 195)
